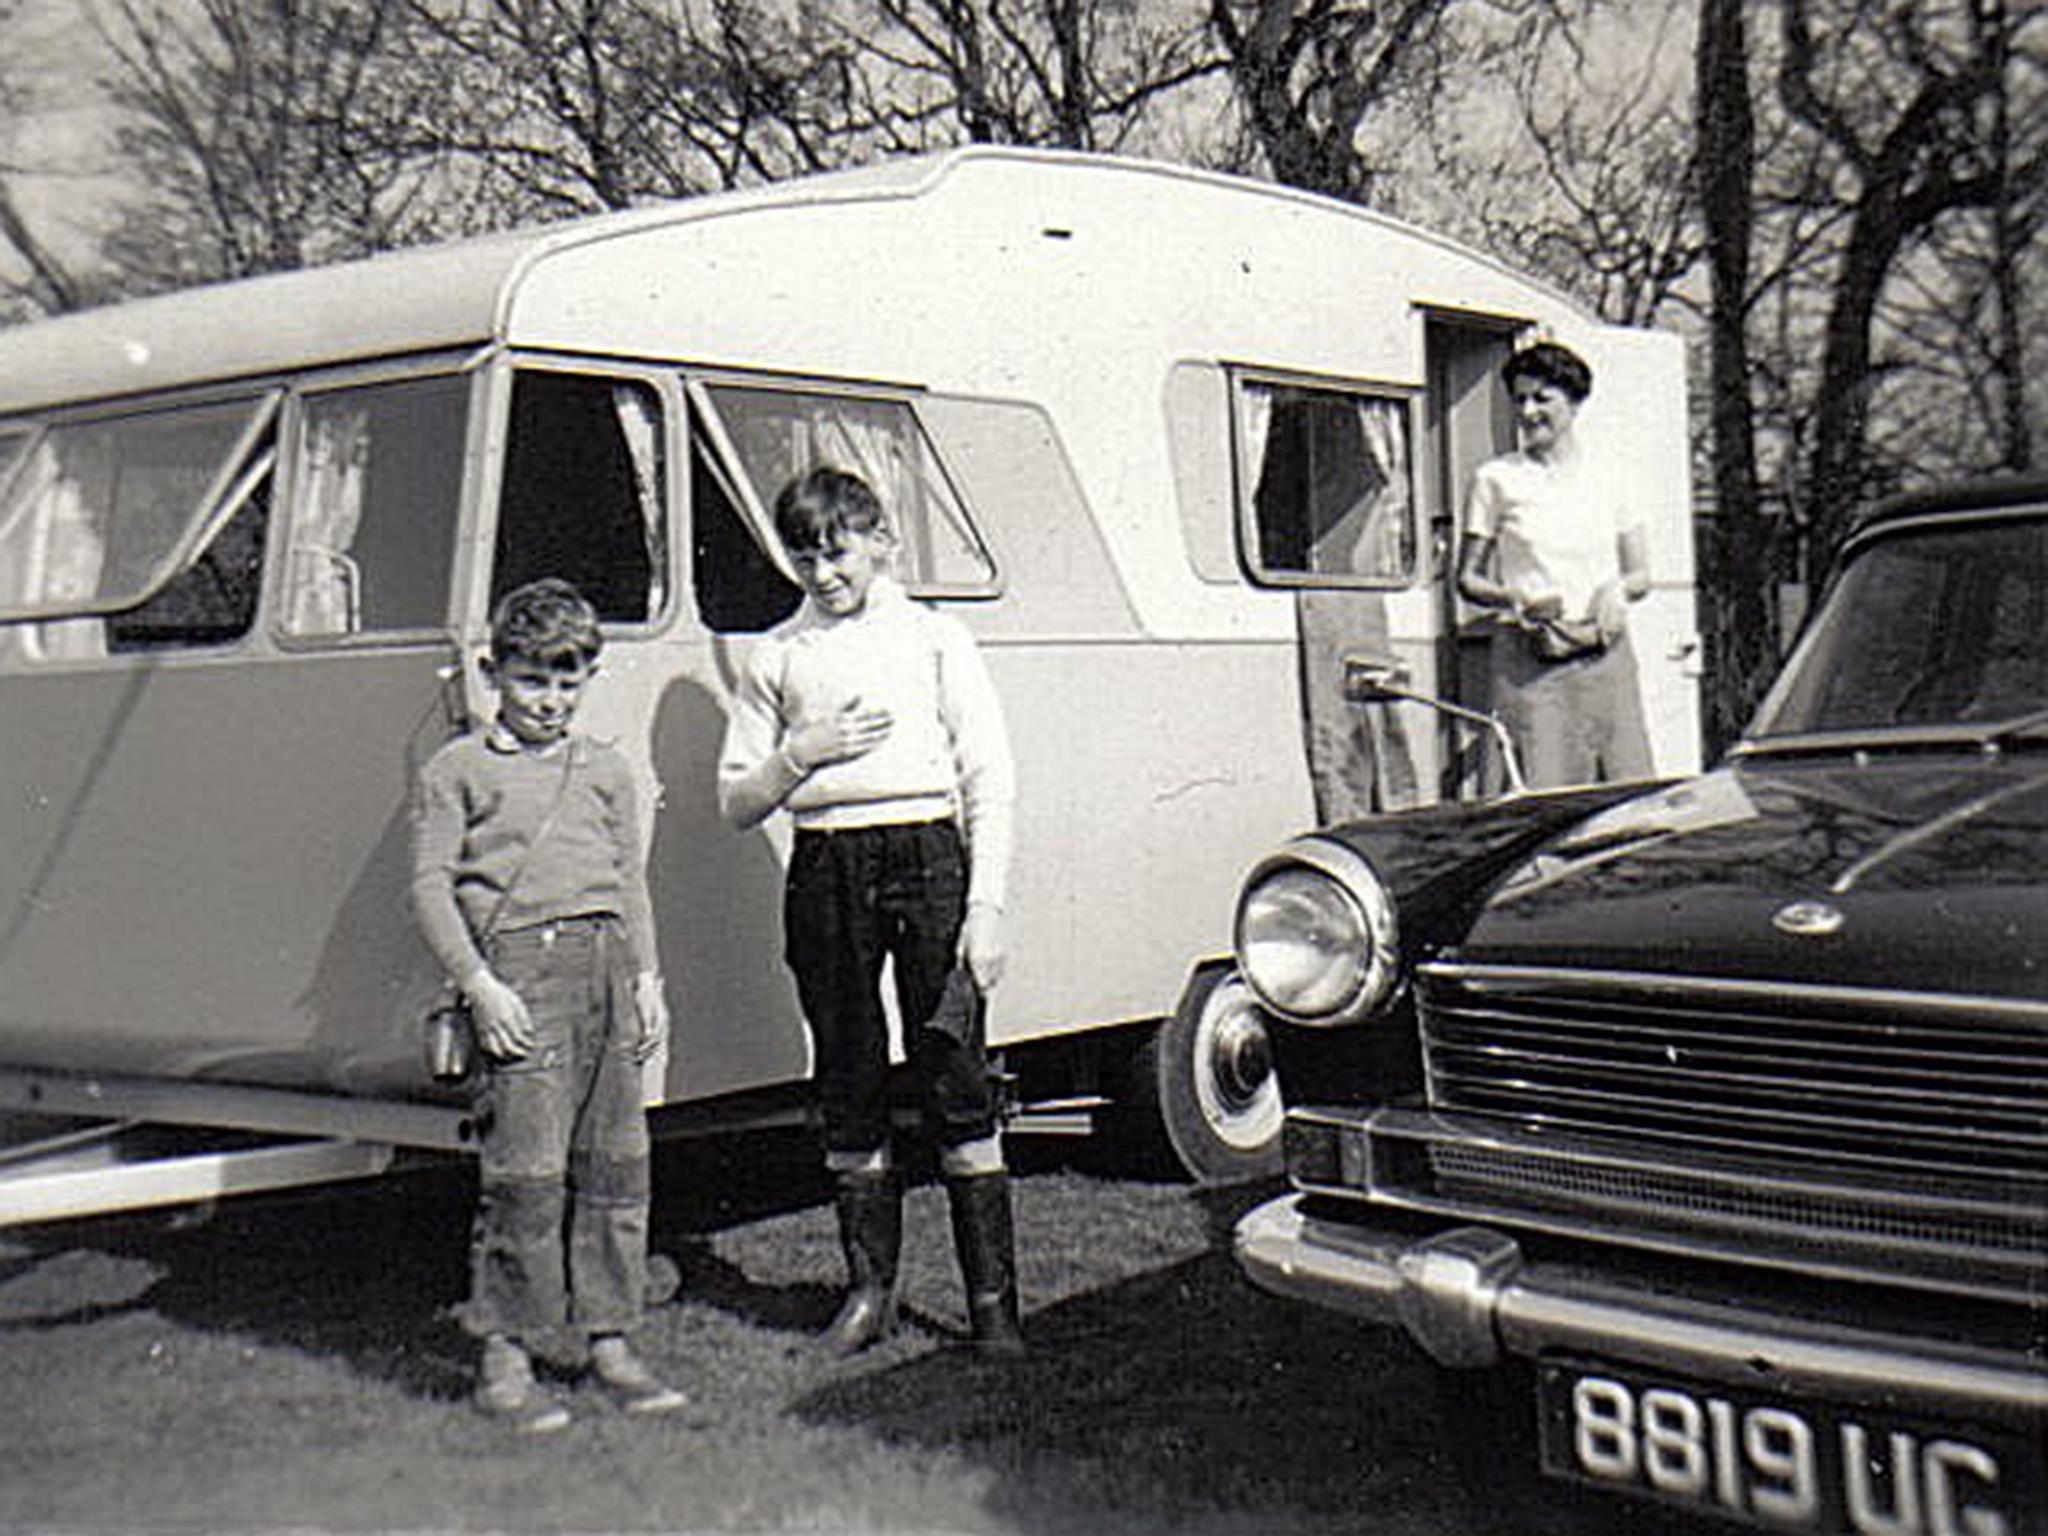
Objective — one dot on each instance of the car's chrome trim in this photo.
(1981, 1241)
(1651, 985)
(1835, 1080)
(1471, 1294)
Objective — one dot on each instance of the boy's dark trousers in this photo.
(857, 897)
(564, 1142)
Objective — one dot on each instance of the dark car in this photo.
(1712, 1115)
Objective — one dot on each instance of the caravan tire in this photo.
(1205, 1087)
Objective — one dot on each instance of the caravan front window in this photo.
(212, 600)
(100, 513)
(1326, 485)
(778, 434)
(378, 486)
(583, 495)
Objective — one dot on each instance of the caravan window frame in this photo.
(17, 439)
(1243, 378)
(33, 633)
(758, 508)
(260, 404)
(494, 432)
(471, 370)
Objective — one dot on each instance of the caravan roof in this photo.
(463, 293)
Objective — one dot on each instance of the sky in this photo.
(51, 49)
(55, 53)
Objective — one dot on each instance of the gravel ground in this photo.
(291, 1364)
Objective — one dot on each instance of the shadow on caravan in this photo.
(1171, 444)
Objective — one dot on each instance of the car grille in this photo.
(1853, 1120)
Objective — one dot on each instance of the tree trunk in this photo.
(1739, 572)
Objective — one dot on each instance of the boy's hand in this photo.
(504, 1029)
(1536, 610)
(854, 731)
(981, 946)
(650, 1003)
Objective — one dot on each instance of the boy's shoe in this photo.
(628, 1382)
(507, 1392)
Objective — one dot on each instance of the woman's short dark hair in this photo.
(816, 507)
(1547, 362)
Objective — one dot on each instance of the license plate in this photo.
(1785, 1466)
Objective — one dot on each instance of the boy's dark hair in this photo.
(1547, 362)
(546, 621)
(816, 507)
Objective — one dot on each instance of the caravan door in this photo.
(1635, 423)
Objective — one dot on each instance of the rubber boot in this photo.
(871, 1231)
(985, 1240)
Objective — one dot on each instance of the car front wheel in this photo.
(1205, 1082)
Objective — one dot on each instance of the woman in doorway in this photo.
(1548, 543)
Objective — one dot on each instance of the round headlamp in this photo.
(1316, 936)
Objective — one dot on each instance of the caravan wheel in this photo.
(1208, 1071)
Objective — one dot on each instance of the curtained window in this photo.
(1328, 481)
(97, 516)
(584, 492)
(779, 434)
(378, 491)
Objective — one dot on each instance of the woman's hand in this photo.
(504, 1029)
(981, 946)
(1610, 611)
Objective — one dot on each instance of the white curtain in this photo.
(66, 542)
(1382, 543)
(639, 420)
(1256, 416)
(871, 441)
(325, 596)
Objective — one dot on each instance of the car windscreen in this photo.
(1936, 625)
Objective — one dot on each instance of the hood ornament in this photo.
(1807, 919)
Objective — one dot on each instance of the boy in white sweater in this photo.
(872, 720)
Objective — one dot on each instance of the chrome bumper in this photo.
(1469, 1295)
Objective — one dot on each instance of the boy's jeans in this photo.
(564, 1134)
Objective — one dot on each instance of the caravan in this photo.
(1168, 442)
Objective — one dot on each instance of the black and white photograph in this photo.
(1024, 767)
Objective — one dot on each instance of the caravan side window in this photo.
(13, 448)
(378, 487)
(212, 600)
(584, 492)
(1326, 486)
(105, 521)
(740, 588)
(778, 434)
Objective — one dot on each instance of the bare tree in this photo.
(1736, 554)
(1077, 74)
(46, 283)
(1309, 73)
(1580, 165)
(1872, 180)
(1900, 102)
(550, 107)
(263, 131)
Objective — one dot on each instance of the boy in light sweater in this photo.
(871, 719)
